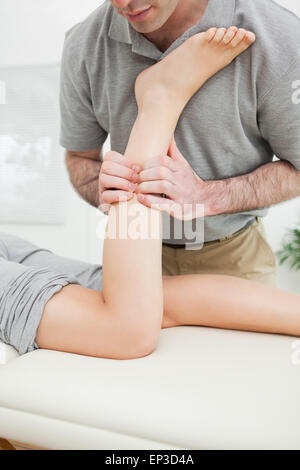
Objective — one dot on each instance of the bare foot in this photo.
(182, 72)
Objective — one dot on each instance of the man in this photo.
(225, 139)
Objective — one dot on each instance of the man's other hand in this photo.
(186, 195)
(117, 180)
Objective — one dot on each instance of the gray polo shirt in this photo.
(234, 124)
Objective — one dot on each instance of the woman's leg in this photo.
(222, 301)
(131, 267)
(125, 320)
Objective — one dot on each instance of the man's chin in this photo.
(144, 28)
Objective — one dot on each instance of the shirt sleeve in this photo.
(279, 116)
(79, 129)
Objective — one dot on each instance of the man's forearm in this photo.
(84, 175)
(269, 184)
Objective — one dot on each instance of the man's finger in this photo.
(121, 159)
(112, 196)
(170, 145)
(162, 160)
(175, 153)
(116, 169)
(162, 204)
(108, 181)
(105, 208)
(156, 173)
(157, 187)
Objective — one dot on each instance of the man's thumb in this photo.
(174, 152)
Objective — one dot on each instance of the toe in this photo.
(210, 34)
(249, 37)
(230, 33)
(219, 35)
(239, 36)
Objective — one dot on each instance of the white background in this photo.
(32, 32)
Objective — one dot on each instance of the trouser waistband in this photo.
(184, 245)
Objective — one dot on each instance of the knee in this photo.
(138, 330)
(136, 349)
(146, 328)
(145, 344)
(140, 341)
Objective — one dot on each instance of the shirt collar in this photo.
(119, 28)
(218, 13)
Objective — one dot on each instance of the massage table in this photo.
(202, 388)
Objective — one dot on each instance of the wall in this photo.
(32, 32)
(287, 214)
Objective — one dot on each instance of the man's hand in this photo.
(117, 180)
(187, 195)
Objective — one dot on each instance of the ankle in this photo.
(154, 97)
(162, 103)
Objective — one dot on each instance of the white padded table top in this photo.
(202, 388)
(7, 353)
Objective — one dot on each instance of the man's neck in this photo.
(187, 14)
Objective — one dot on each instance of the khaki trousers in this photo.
(246, 254)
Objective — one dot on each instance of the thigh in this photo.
(77, 320)
(43, 309)
(246, 255)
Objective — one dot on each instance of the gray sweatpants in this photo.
(29, 277)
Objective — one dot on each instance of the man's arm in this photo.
(84, 169)
(269, 184)
(171, 174)
(102, 181)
